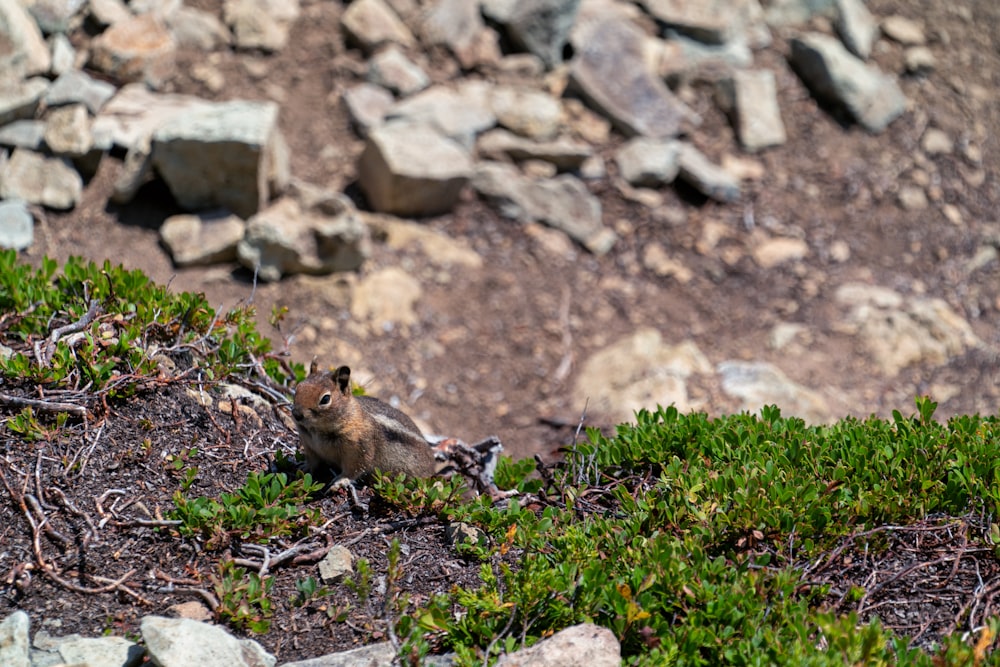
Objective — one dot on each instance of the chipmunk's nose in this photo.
(296, 413)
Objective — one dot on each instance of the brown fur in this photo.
(355, 434)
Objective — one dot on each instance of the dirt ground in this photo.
(501, 325)
(481, 359)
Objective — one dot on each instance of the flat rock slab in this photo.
(221, 155)
(135, 112)
(199, 240)
(611, 73)
(872, 98)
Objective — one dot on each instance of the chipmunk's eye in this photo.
(325, 399)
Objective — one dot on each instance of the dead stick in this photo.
(43, 406)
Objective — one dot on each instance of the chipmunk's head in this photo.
(321, 397)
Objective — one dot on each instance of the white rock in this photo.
(367, 105)
(63, 54)
(856, 26)
(458, 114)
(181, 642)
(411, 170)
(756, 111)
(646, 162)
(101, 651)
(584, 644)
(391, 69)
(17, 228)
(372, 23)
(14, 642)
(67, 131)
(527, 112)
(24, 51)
(135, 112)
(337, 564)
(906, 31)
(196, 29)
(36, 179)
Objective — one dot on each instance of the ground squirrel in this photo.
(355, 434)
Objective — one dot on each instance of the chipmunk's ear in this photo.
(314, 366)
(343, 377)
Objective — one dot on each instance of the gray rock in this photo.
(565, 153)
(542, 27)
(54, 16)
(709, 179)
(24, 51)
(135, 112)
(336, 564)
(196, 29)
(20, 99)
(703, 62)
(291, 236)
(710, 21)
(459, 26)
(367, 105)
(222, 155)
(856, 26)
(116, 651)
(63, 54)
(755, 111)
(14, 642)
(261, 24)
(24, 134)
(390, 68)
(870, 96)
(498, 11)
(647, 372)
(17, 231)
(758, 383)
(530, 113)
(611, 73)
(76, 87)
(563, 203)
(410, 169)
(584, 644)
(458, 114)
(371, 23)
(139, 49)
(67, 131)
(37, 179)
(200, 240)
(181, 642)
(648, 162)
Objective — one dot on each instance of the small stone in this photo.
(648, 162)
(77, 87)
(261, 24)
(529, 113)
(709, 179)
(656, 259)
(140, 49)
(773, 252)
(390, 68)
(63, 54)
(367, 105)
(919, 60)
(912, 198)
(36, 179)
(337, 564)
(23, 133)
(372, 23)
(936, 142)
(903, 30)
(840, 251)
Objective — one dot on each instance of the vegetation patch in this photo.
(743, 539)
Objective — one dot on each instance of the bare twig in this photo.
(43, 406)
